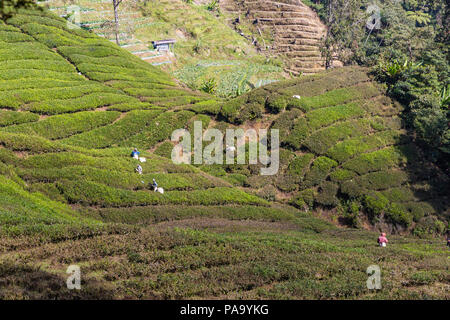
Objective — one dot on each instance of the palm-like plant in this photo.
(445, 97)
(419, 17)
(394, 68)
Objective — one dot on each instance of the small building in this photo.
(164, 45)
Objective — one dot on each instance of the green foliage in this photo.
(304, 199)
(430, 123)
(8, 118)
(209, 86)
(375, 205)
(276, 104)
(268, 193)
(326, 116)
(397, 214)
(21, 142)
(341, 175)
(429, 226)
(135, 121)
(382, 179)
(322, 140)
(24, 213)
(63, 126)
(379, 160)
(92, 193)
(297, 134)
(213, 5)
(352, 147)
(300, 164)
(10, 7)
(319, 171)
(349, 211)
(211, 107)
(164, 150)
(159, 128)
(326, 194)
(338, 96)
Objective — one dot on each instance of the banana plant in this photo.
(445, 97)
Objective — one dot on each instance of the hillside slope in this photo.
(66, 92)
(343, 148)
(206, 47)
(72, 105)
(291, 29)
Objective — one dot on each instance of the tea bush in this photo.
(133, 123)
(320, 169)
(62, 126)
(9, 118)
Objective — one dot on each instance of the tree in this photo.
(9, 7)
(343, 19)
(116, 4)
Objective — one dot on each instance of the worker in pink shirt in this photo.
(382, 240)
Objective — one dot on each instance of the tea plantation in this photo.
(72, 107)
(206, 48)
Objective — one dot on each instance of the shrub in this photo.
(236, 179)
(419, 210)
(351, 147)
(211, 107)
(304, 199)
(7, 156)
(352, 189)
(17, 74)
(382, 180)
(319, 171)
(397, 214)
(102, 137)
(92, 193)
(276, 104)
(400, 194)
(378, 160)
(164, 150)
(287, 183)
(285, 122)
(350, 212)
(87, 102)
(20, 142)
(36, 83)
(430, 225)
(375, 205)
(322, 140)
(326, 116)
(159, 129)
(297, 135)
(300, 164)
(8, 118)
(129, 106)
(268, 193)
(52, 65)
(341, 175)
(326, 194)
(63, 126)
(250, 112)
(338, 96)
(231, 110)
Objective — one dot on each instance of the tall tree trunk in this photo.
(116, 19)
(328, 40)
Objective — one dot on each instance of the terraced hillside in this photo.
(343, 147)
(294, 30)
(65, 92)
(206, 47)
(72, 105)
